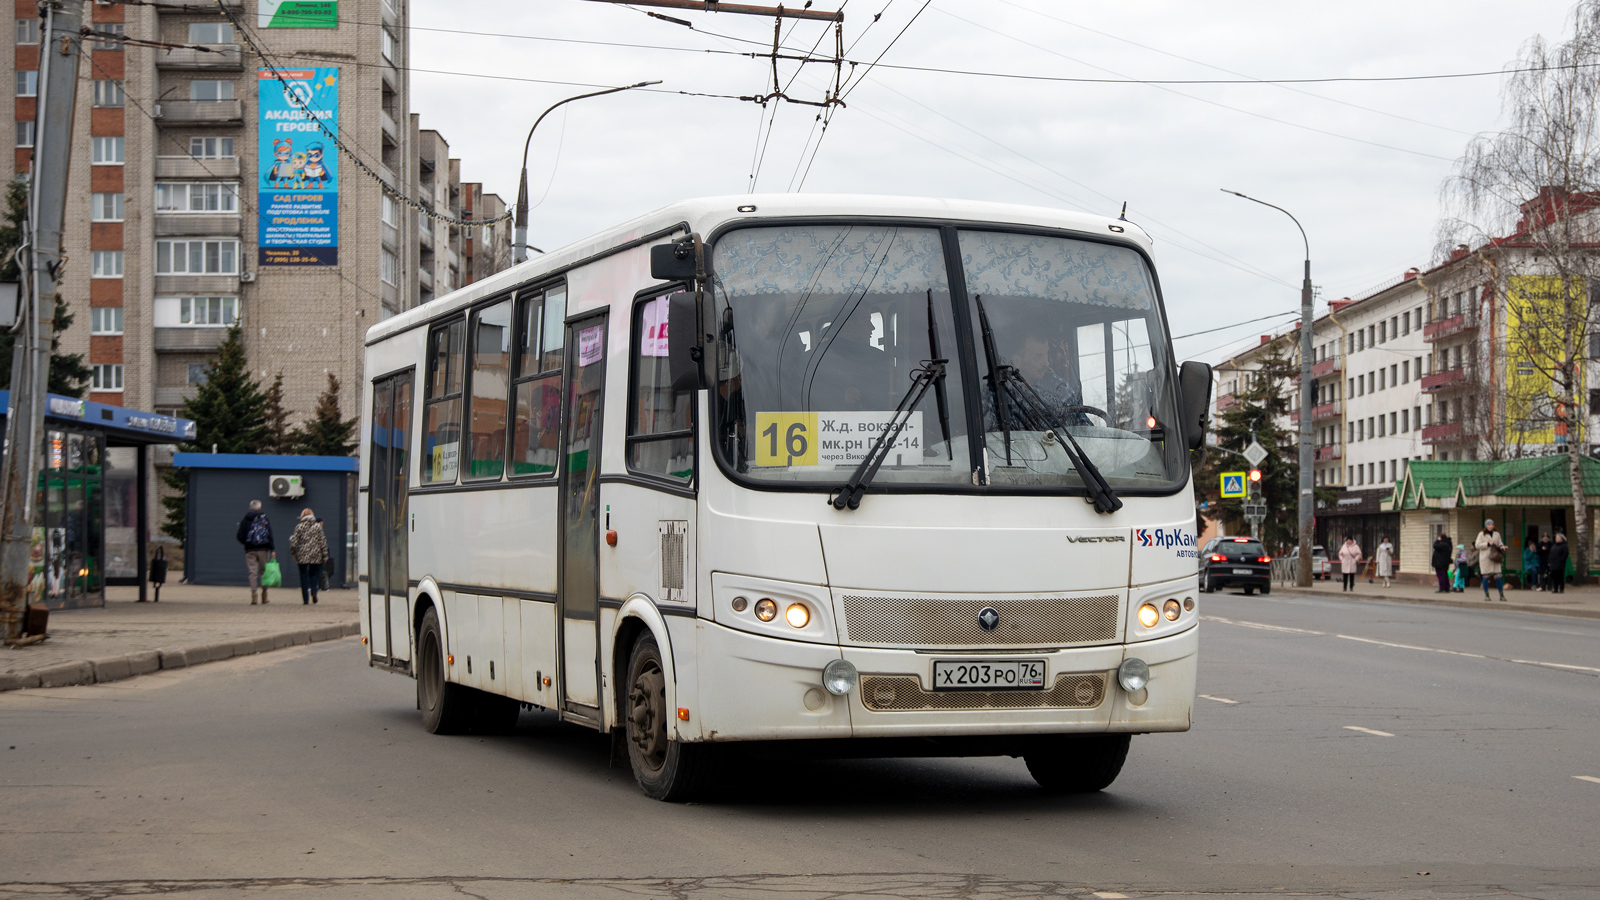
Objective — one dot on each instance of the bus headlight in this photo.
(766, 609)
(1172, 610)
(798, 615)
(1133, 674)
(839, 677)
(1148, 615)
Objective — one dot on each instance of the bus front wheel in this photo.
(665, 769)
(1072, 764)
(446, 708)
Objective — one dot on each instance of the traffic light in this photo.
(1255, 476)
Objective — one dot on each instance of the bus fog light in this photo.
(740, 604)
(798, 615)
(1188, 604)
(1133, 674)
(766, 609)
(1149, 615)
(1172, 610)
(839, 677)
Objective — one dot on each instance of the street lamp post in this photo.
(520, 248)
(1303, 575)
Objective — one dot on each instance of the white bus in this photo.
(902, 477)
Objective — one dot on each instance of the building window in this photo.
(210, 90)
(1594, 402)
(1405, 420)
(1405, 372)
(105, 320)
(389, 268)
(389, 209)
(197, 257)
(391, 47)
(106, 150)
(24, 134)
(1393, 419)
(105, 377)
(108, 92)
(208, 310)
(27, 31)
(27, 83)
(113, 30)
(197, 373)
(211, 147)
(210, 33)
(105, 264)
(105, 207)
(182, 196)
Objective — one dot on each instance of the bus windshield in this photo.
(821, 328)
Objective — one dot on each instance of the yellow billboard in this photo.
(1537, 321)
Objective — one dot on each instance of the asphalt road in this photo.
(1340, 749)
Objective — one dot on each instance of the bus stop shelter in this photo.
(92, 525)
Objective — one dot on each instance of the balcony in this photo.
(1331, 451)
(198, 224)
(1325, 368)
(200, 112)
(201, 56)
(1322, 412)
(425, 279)
(189, 167)
(189, 338)
(1449, 378)
(1448, 432)
(1226, 401)
(1461, 324)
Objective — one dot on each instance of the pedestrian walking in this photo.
(1384, 557)
(1559, 551)
(1530, 566)
(309, 547)
(1441, 562)
(1349, 561)
(1491, 558)
(1462, 569)
(1544, 562)
(255, 533)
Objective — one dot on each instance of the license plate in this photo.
(987, 674)
(1244, 571)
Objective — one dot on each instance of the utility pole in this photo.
(1303, 576)
(60, 50)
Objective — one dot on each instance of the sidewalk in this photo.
(1580, 601)
(192, 624)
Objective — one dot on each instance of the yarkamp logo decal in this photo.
(1178, 540)
(1097, 539)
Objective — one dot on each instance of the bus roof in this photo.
(705, 214)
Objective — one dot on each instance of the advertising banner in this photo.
(297, 14)
(1536, 313)
(298, 195)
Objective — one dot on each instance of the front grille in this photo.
(953, 622)
(898, 693)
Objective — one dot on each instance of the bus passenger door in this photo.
(583, 411)
(388, 566)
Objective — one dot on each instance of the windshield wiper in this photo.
(929, 373)
(993, 357)
(938, 385)
(1034, 408)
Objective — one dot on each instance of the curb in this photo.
(1451, 604)
(116, 668)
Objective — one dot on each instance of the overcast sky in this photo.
(1360, 165)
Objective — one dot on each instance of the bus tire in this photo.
(665, 769)
(446, 708)
(1072, 764)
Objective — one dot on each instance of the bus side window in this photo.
(486, 411)
(441, 426)
(540, 336)
(660, 419)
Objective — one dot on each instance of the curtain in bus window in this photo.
(491, 375)
(441, 439)
(659, 438)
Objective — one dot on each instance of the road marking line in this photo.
(1351, 637)
(1110, 895)
(1587, 778)
(1368, 731)
(1534, 662)
(1262, 625)
(1218, 699)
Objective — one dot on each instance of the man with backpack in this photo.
(255, 533)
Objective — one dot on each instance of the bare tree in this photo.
(1526, 198)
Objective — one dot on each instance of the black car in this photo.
(1235, 562)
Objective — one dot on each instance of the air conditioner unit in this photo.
(284, 487)
(247, 277)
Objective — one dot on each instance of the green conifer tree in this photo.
(279, 438)
(68, 374)
(327, 433)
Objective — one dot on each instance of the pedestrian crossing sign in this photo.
(1232, 484)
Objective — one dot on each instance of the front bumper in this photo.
(751, 687)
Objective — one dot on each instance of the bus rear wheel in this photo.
(446, 708)
(665, 769)
(1073, 764)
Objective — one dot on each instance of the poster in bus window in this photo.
(591, 345)
(298, 195)
(653, 328)
(297, 14)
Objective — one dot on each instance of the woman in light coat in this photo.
(1349, 561)
(1384, 556)
(309, 546)
(1491, 545)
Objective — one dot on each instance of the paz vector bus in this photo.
(846, 475)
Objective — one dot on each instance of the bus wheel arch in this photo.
(638, 617)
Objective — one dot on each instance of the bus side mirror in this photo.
(675, 261)
(1194, 388)
(684, 348)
